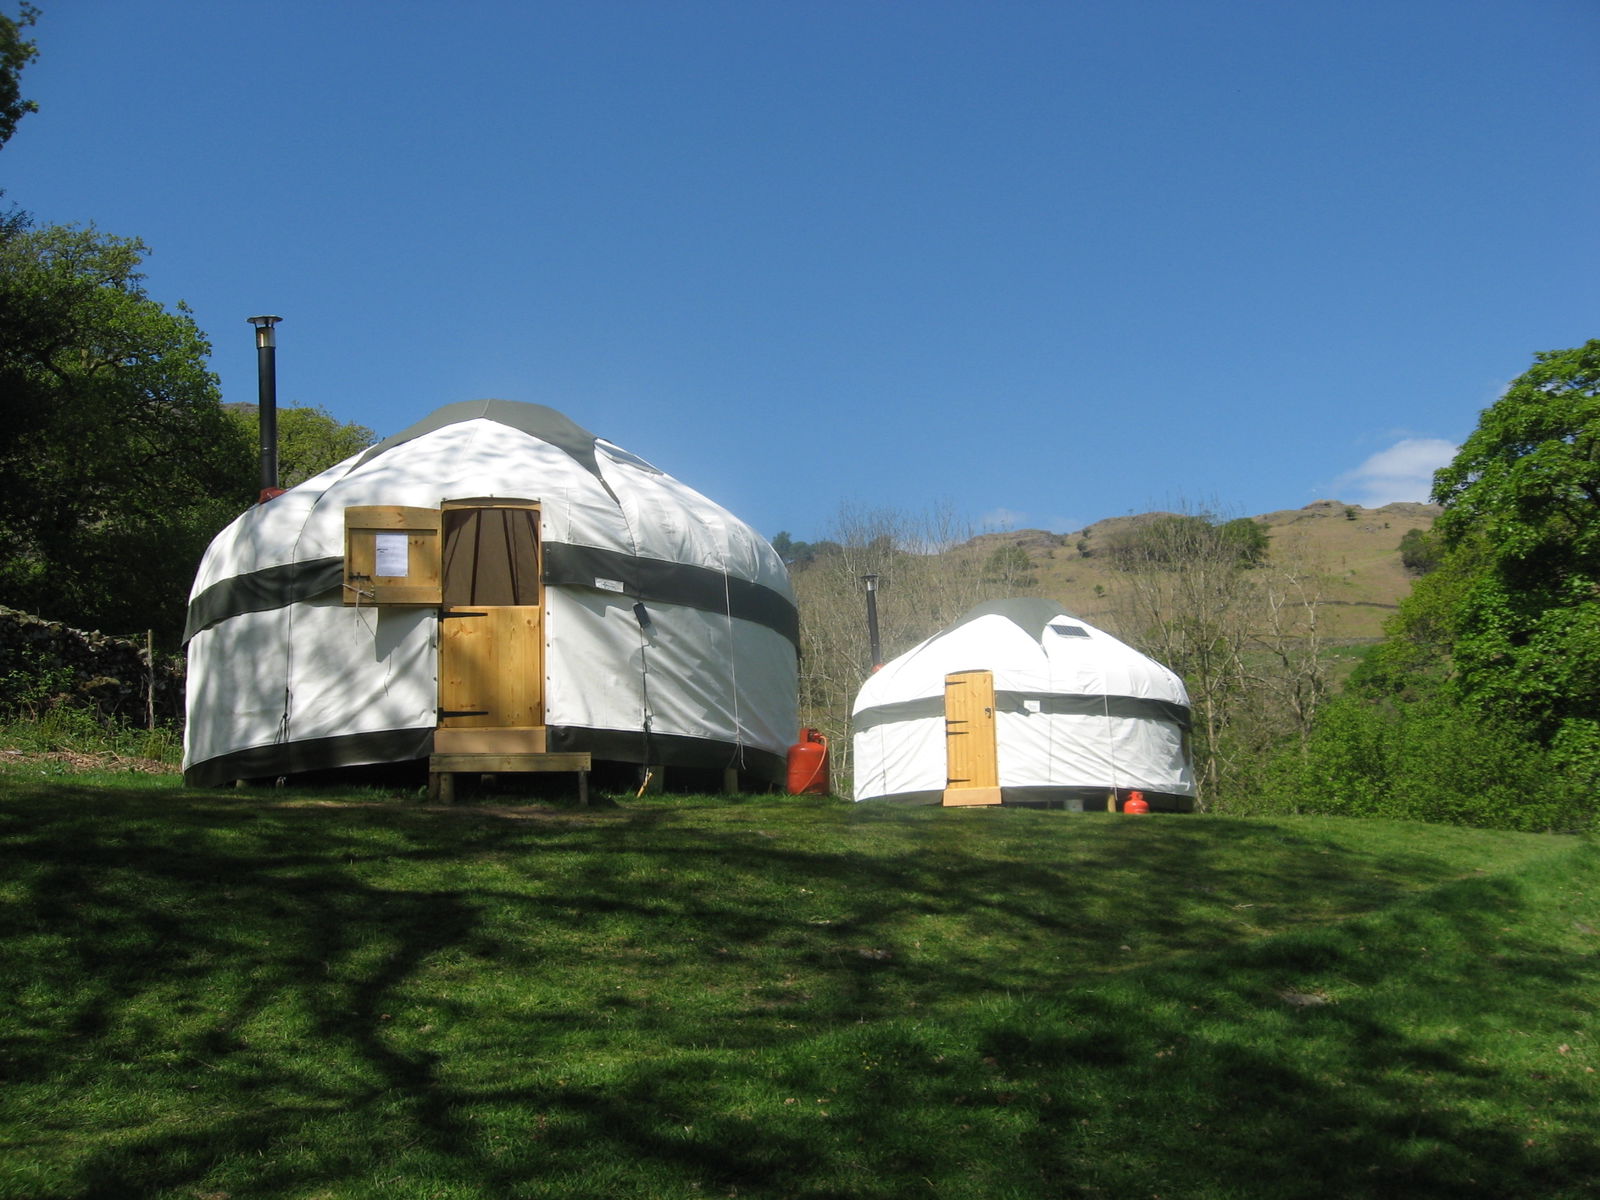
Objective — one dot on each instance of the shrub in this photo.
(1428, 761)
(1420, 551)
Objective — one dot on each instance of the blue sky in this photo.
(1039, 263)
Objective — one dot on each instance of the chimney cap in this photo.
(265, 338)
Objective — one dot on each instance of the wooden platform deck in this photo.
(443, 768)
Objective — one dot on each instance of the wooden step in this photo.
(443, 768)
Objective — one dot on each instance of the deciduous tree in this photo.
(1499, 644)
(118, 463)
(1522, 499)
(1240, 628)
(310, 440)
(16, 52)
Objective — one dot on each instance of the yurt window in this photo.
(491, 556)
(391, 555)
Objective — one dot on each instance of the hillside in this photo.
(1353, 551)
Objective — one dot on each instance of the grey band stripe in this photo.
(646, 579)
(650, 579)
(404, 745)
(262, 591)
(667, 750)
(1133, 707)
(313, 754)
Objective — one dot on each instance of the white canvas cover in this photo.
(1078, 712)
(283, 677)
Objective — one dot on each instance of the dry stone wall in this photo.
(44, 664)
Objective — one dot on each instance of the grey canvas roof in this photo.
(536, 420)
(1030, 614)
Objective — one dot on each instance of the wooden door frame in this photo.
(482, 739)
(963, 720)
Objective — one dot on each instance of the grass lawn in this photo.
(219, 995)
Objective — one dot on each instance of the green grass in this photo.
(227, 995)
(80, 731)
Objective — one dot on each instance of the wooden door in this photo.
(972, 762)
(491, 640)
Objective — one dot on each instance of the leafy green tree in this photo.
(1413, 661)
(1528, 478)
(118, 463)
(1522, 498)
(1173, 538)
(16, 52)
(1420, 551)
(1487, 686)
(310, 440)
(788, 549)
(1010, 567)
(1248, 538)
(797, 554)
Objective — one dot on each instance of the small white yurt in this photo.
(493, 576)
(1020, 702)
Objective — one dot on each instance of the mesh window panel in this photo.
(491, 556)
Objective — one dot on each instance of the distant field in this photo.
(218, 995)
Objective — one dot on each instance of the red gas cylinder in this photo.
(1136, 803)
(808, 765)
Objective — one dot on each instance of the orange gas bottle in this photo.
(808, 765)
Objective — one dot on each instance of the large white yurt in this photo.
(1020, 702)
(498, 574)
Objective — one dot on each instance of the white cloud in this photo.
(1402, 472)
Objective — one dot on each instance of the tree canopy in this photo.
(1174, 538)
(1507, 628)
(1528, 478)
(310, 440)
(1419, 551)
(1523, 498)
(119, 463)
(800, 554)
(16, 52)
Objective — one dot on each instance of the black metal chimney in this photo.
(872, 619)
(267, 379)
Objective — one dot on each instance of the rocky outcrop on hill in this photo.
(1404, 510)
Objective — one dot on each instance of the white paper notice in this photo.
(392, 555)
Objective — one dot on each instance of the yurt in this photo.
(494, 579)
(1020, 702)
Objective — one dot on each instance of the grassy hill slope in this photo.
(228, 995)
(1355, 552)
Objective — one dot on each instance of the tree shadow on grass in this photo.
(306, 998)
